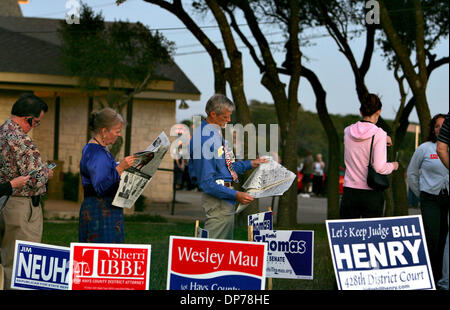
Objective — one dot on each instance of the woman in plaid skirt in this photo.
(100, 221)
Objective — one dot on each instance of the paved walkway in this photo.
(187, 207)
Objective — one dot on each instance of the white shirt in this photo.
(318, 170)
(426, 172)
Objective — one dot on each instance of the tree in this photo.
(279, 12)
(285, 100)
(408, 32)
(222, 74)
(287, 103)
(124, 54)
(233, 75)
(338, 17)
(334, 143)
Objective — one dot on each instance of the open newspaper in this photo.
(135, 179)
(269, 179)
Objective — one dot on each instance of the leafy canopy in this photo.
(117, 51)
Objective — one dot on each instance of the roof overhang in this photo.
(157, 89)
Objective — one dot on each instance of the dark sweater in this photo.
(5, 189)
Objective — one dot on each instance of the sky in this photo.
(322, 56)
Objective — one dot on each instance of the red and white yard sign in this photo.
(99, 266)
(213, 264)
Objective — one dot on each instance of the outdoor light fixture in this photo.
(183, 105)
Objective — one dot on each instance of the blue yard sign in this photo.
(290, 253)
(40, 267)
(260, 221)
(202, 233)
(380, 253)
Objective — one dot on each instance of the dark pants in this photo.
(317, 184)
(357, 203)
(434, 216)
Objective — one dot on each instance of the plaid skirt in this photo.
(100, 221)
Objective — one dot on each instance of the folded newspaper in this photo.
(135, 179)
(269, 179)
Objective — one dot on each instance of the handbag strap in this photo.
(370, 155)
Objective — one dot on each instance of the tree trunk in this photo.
(399, 192)
(289, 155)
(286, 105)
(334, 145)
(417, 81)
(235, 77)
(399, 187)
(287, 208)
(235, 74)
(218, 63)
(359, 73)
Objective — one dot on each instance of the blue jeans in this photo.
(434, 211)
(443, 282)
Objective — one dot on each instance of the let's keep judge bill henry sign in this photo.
(380, 253)
(212, 264)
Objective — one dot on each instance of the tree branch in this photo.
(343, 45)
(420, 42)
(244, 39)
(368, 52)
(215, 53)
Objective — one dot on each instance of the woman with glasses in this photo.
(100, 221)
(428, 179)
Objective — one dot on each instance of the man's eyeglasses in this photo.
(36, 122)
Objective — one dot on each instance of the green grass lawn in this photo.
(156, 231)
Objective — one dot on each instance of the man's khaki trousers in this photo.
(219, 217)
(19, 220)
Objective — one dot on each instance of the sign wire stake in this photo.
(196, 229)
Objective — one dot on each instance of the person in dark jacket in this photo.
(7, 187)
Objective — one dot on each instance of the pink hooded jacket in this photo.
(357, 139)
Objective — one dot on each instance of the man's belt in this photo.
(35, 200)
(226, 184)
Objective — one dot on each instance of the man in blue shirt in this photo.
(212, 170)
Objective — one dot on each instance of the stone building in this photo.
(29, 62)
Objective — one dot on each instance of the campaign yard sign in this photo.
(100, 266)
(260, 221)
(213, 264)
(380, 253)
(202, 233)
(290, 253)
(39, 266)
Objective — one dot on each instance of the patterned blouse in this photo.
(20, 156)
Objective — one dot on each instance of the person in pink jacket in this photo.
(358, 199)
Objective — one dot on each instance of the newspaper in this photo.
(269, 179)
(135, 179)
